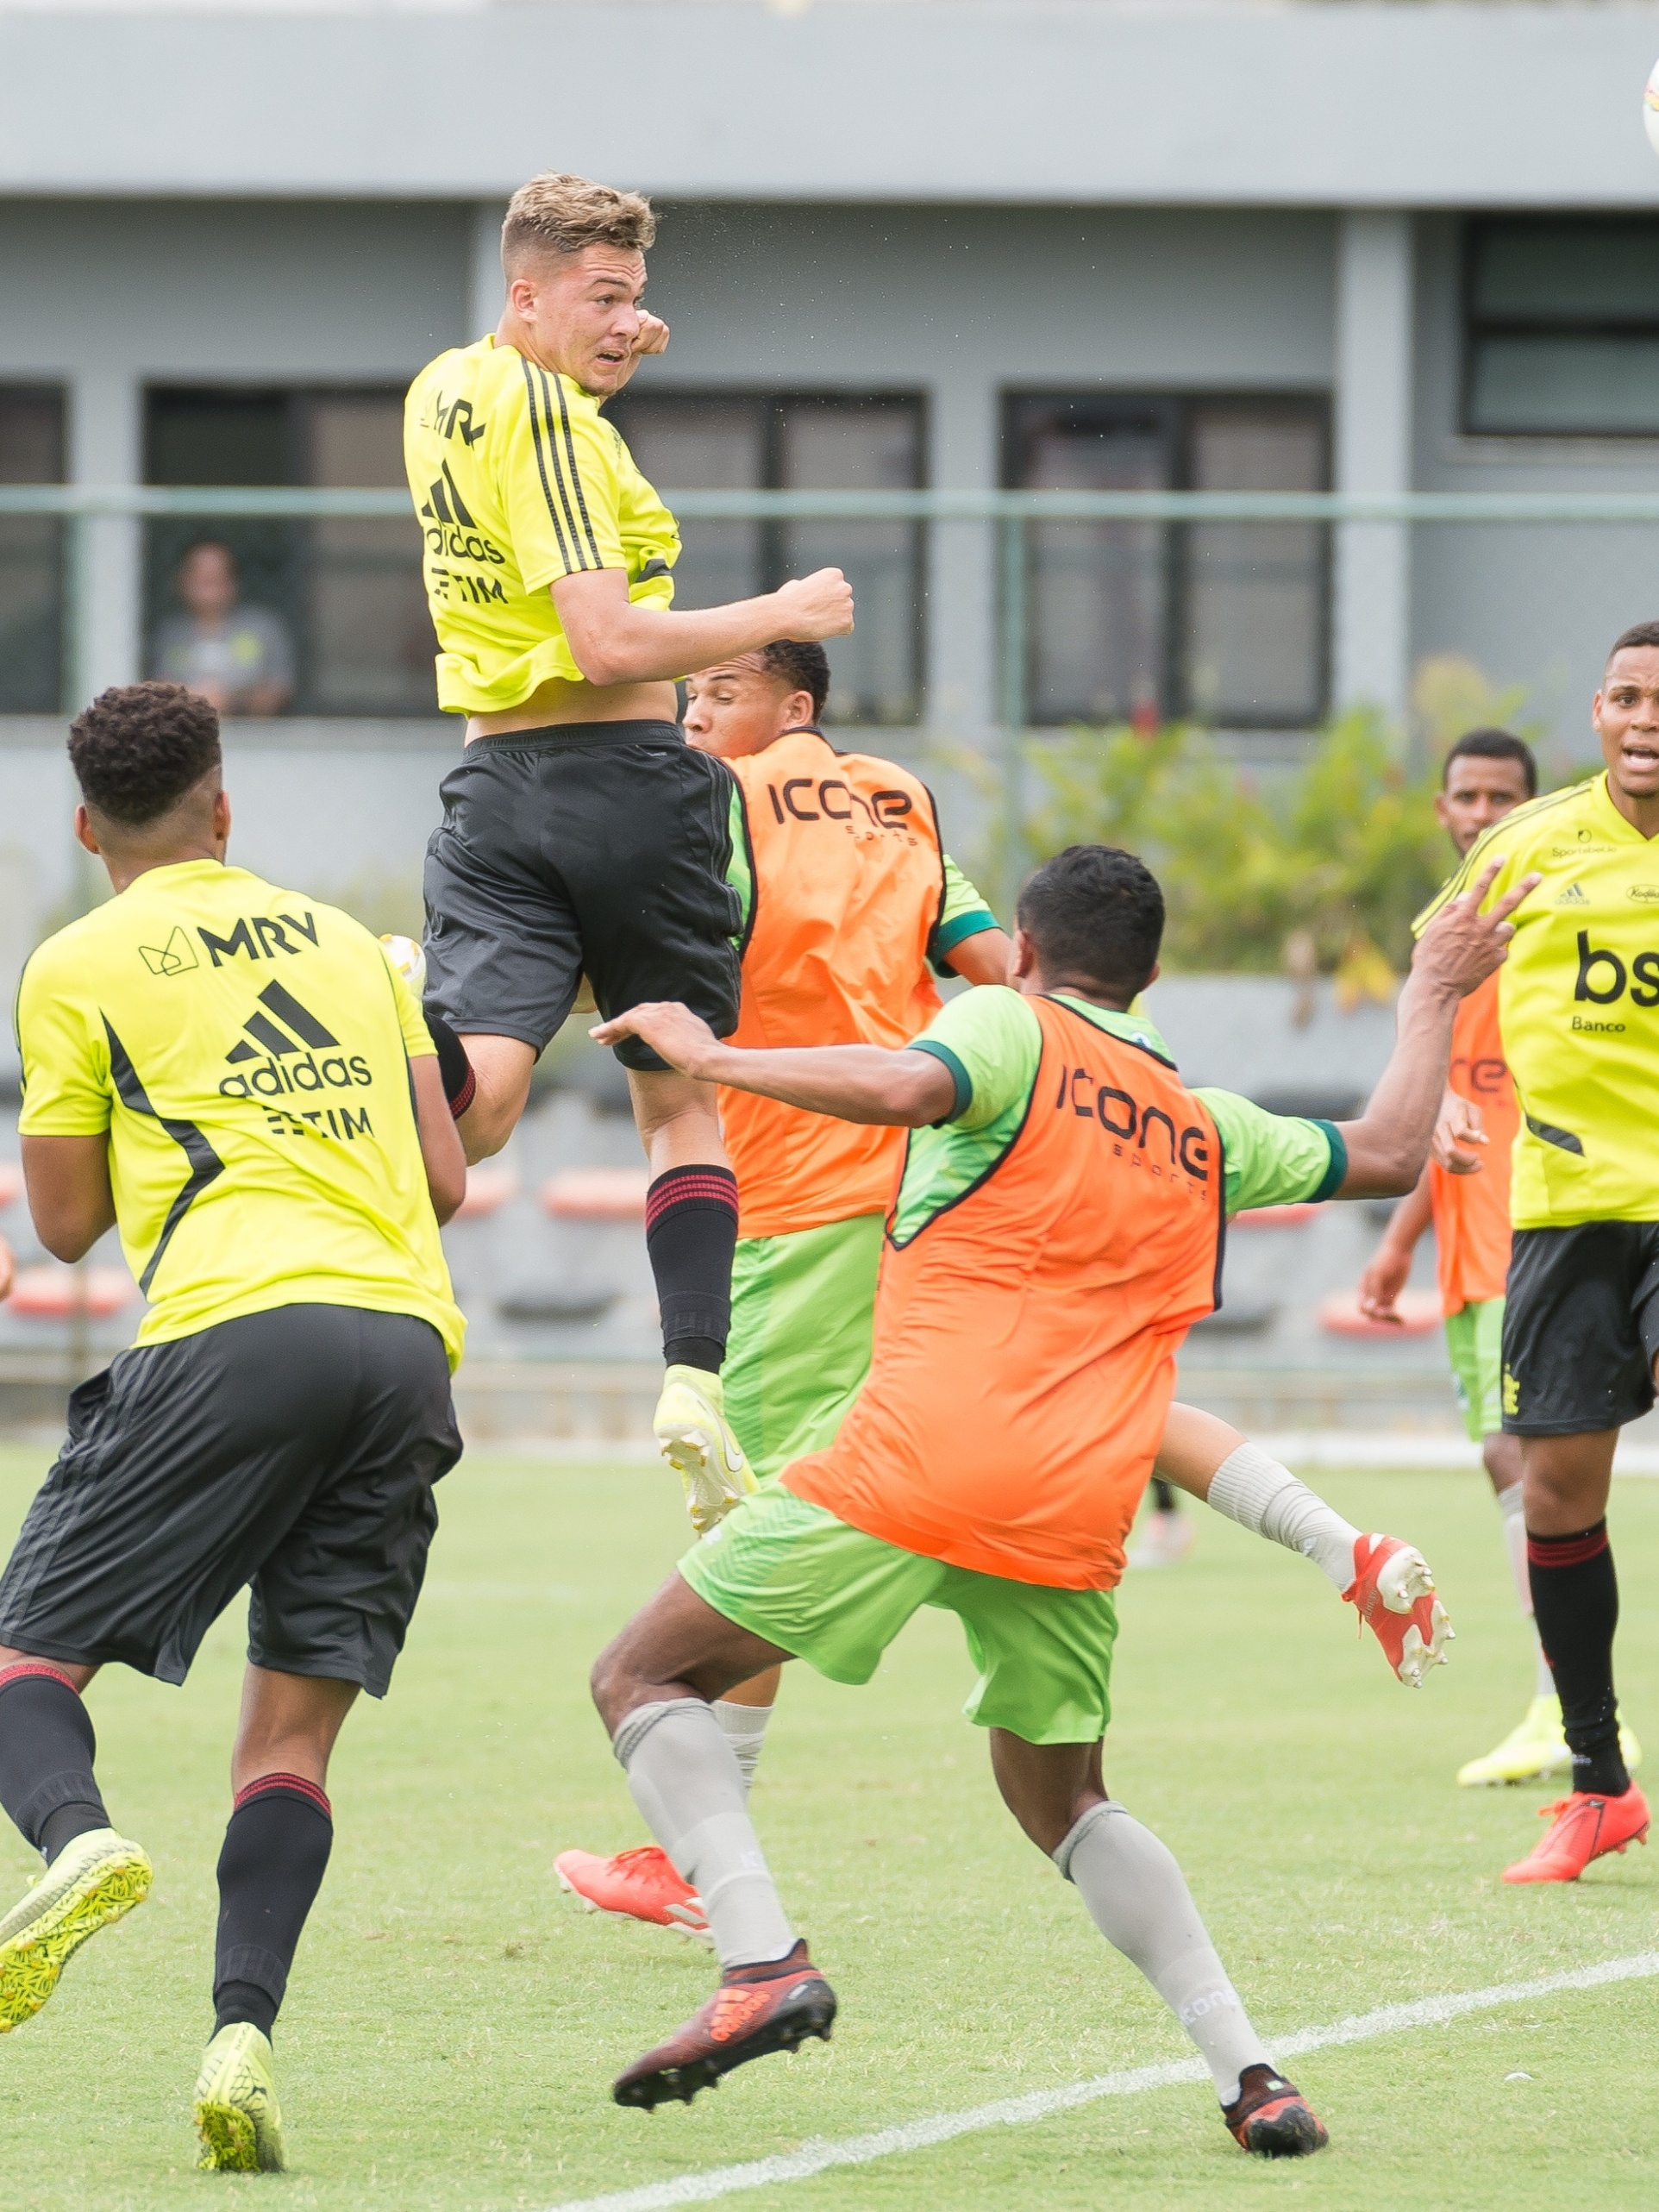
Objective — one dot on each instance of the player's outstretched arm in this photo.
(614, 641)
(1389, 1144)
(982, 958)
(854, 1082)
(70, 1201)
(1386, 1582)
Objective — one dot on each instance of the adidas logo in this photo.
(173, 958)
(277, 1055)
(444, 503)
(1572, 896)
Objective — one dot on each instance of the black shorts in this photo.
(1580, 1327)
(295, 1451)
(597, 847)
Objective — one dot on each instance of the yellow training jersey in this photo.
(248, 1051)
(517, 480)
(1578, 1006)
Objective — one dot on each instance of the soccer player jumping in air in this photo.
(233, 1075)
(1488, 774)
(1056, 1231)
(1577, 1006)
(580, 832)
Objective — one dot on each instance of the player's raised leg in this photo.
(94, 1875)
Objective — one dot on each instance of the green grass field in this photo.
(454, 2020)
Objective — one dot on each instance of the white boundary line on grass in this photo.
(820, 2156)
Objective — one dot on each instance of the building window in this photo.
(334, 618)
(724, 441)
(1563, 328)
(31, 554)
(1144, 621)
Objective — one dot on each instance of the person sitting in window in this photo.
(240, 659)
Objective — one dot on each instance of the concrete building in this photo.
(964, 244)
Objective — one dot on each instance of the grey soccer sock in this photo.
(1251, 1487)
(744, 1727)
(686, 1781)
(1138, 1899)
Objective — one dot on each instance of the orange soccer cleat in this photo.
(641, 1884)
(1392, 1591)
(1271, 2117)
(1583, 1827)
(771, 2006)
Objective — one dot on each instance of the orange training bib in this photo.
(848, 879)
(1025, 1339)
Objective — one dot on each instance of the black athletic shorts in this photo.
(599, 846)
(293, 1451)
(1580, 1327)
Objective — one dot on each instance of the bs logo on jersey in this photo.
(1603, 978)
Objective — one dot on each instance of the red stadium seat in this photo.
(487, 1187)
(596, 1194)
(1419, 1315)
(50, 1294)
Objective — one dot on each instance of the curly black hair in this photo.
(1095, 914)
(803, 666)
(139, 748)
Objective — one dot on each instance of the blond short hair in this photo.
(559, 214)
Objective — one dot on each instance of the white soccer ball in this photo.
(408, 959)
(1651, 109)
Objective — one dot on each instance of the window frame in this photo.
(1474, 325)
(1179, 410)
(300, 554)
(61, 393)
(773, 401)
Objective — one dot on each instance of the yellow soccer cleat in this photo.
(237, 2116)
(1535, 1751)
(93, 1880)
(693, 1437)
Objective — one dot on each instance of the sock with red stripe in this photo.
(454, 1069)
(276, 1852)
(1576, 1603)
(47, 1748)
(690, 1234)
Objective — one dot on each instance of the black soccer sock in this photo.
(1163, 1496)
(47, 1750)
(276, 1852)
(1575, 1601)
(459, 1078)
(690, 1233)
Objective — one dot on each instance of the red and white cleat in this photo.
(1392, 1591)
(641, 1884)
(1583, 1827)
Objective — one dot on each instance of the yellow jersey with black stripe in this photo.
(247, 1051)
(518, 481)
(1578, 1006)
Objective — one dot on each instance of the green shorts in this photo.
(1474, 1340)
(837, 1598)
(803, 1308)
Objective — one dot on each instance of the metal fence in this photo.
(985, 617)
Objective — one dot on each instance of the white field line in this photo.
(817, 2157)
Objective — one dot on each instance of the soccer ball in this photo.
(406, 957)
(1651, 109)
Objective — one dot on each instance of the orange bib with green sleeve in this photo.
(1025, 1337)
(848, 884)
